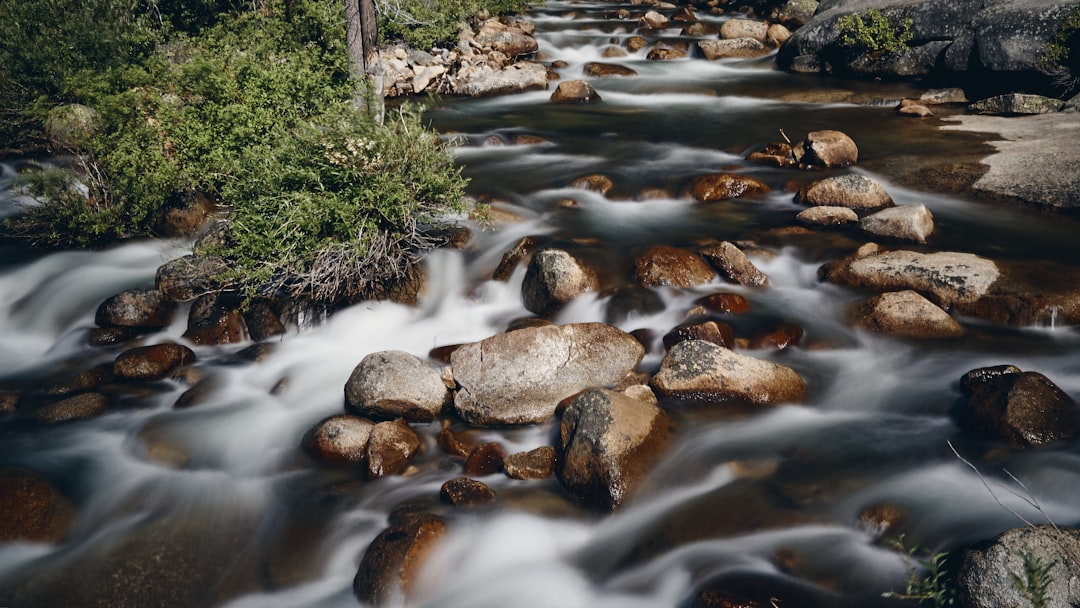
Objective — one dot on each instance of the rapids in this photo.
(247, 522)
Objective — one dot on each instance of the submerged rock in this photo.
(608, 443)
(76, 407)
(393, 560)
(391, 384)
(31, 508)
(1024, 409)
(698, 372)
(520, 377)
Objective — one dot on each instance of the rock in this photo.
(152, 362)
(189, 277)
(390, 446)
(826, 215)
(777, 35)
(735, 48)
(668, 51)
(1024, 409)
(514, 78)
(31, 508)
(777, 338)
(216, 318)
(608, 443)
(684, 14)
(186, 220)
(600, 70)
(700, 29)
(744, 28)
(423, 77)
(393, 560)
(699, 372)
(510, 260)
(778, 154)
(909, 108)
(111, 336)
(906, 222)
(262, 320)
(136, 308)
(636, 43)
(709, 331)
(339, 439)
(630, 301)
(733, 265)
(725, 303)
(723, 186)
(463, 492)
(945, 278)
(906, 313)
(883, 519)
(555, 278)
(852, 191)
(796, 13)
(534, 464)
(575, 91)
(509, 40)
(484, 459)
(81, 381)
(989, 570)
(667, 265)
(70, 126)
(520, 377)
(595, 183)
(654, 20)
(829, 149)
(390, 384)
(943, 96)
(1015, 104)
(76, 407)
(612, 52)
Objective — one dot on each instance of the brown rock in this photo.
(700, 29)
(511, 41)
(575, 91)
(744, 28)
(554, 279)
(262, 321)
(393, 560)
(882, 519)
(852, 191)
(595, 183)
(77, 407)
(668, 51)
(339, 439)
(827, 216)
(910, 107)
(611, 52)
(709, 331)
(1025, 409)
(778, 154)
(735, 48)
(390, 446)
(31, 508)
(608, 443)
(636, 43)
(830, 149)
(216, 318)
(484, 459)
(510, 260)
(82, 381)
(189, 277)
(778, 338)
(684, 14)
(111, 336)
(534, 464)
(463, 492)
(906, 313)
(527, 139)
(733, 265)
(724, 186)
(777, 35)
(667, 265)
(600, 70)
(700, 372)
(152, 362)
(136, 308)
(725, 303)
(654, 20)
(452, 443)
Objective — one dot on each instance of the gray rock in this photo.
(742, 48)
(988, 571)
(607, 445)
(906, 313)
(521, 376)
(827, 215)
(514, 78)
(555, 278)
(744, 28)
(1014, 104)
(852, 191)
(190, 276)
(829, 148)
(395, 384)
(701, 372)
(906, 222)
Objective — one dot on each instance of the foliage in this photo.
(427, 23)
(1061, 58)
(1035, 580)
(928, 580)
(873, 32)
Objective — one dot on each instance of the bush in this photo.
(874, 34)
(1061, 58)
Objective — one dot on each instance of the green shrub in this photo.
(873, 32)
(1061, 58)
(928, 579)
(427, 23)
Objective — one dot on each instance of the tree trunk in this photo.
(362, 42)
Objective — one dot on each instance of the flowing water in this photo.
(221, 494)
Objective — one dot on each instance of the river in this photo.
(215, 505)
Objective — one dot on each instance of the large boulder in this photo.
(667, 265)
(507, 39)
(521, 376)
(1025, 409)
(992, 572)
(607, 445)
(852, 191)
(395, 384)
(906, 313)
(699, 372)
(1015, 104)
(963, 38)
(190, 276)
(555, 278)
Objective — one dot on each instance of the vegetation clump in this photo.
(1061, 58)
(424, 24)
(873, 33)
(928, 578)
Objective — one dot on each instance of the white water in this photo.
(874, 428)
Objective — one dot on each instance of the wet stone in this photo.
(339, 439)
(393, 560)
(390, 447)
(463, 492)
(534, 464)
(484, 459)
(84, 405)
(152, 362)
(31, 508)
(709, 331)
(147, 308)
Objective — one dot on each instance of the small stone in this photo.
(734, 265)
(463, 492)
(827, 216)
(906, 222)
(77, 407)
(724, 186)
(534, 464)
(390, 446)
(852, 191)
(152, 362)
(339, 439)
(484, 459)
(575, 91)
